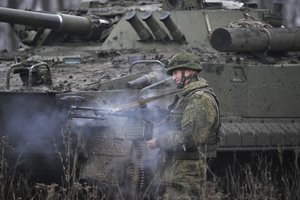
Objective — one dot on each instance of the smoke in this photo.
(51, 6)
(291, 8)
(121, 128)
(262, 3)
(292, 13)
(31, 122)
(8, 39)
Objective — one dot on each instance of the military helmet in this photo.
(183, 60)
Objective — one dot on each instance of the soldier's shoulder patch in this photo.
(198, 94)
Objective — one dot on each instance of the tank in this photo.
(92, 84)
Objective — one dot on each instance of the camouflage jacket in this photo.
(193, 121)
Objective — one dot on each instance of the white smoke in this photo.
(227, 4)
(8, 39)
(31, 122)
(292, 13)
(291, 10)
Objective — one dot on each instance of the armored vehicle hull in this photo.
(70, 88)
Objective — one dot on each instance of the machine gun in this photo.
(122, 110)
(137, 128)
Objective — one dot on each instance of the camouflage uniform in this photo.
(189, 138)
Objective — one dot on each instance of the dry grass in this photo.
(262, 180)
(16, 185)
(267, 177)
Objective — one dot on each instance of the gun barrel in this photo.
(90, 109)
(256, 39)
(60, 22)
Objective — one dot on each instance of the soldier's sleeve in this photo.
(198, 117)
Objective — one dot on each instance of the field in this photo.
(260, 175)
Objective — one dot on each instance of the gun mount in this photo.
(141, 131)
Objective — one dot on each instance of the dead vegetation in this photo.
(264, 180)
(264, 177)
(16, 185)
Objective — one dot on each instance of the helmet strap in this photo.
(185, 78)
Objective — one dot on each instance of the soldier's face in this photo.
(177, 75)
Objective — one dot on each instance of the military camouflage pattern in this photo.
(184, 60)
(194, 116)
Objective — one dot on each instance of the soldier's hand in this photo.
(151, 144)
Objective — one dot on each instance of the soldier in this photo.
(191, 135)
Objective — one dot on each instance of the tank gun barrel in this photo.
(60, 22)
(256, 39)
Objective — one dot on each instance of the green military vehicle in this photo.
(97, 74)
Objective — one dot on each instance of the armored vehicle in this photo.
(98, 74)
